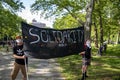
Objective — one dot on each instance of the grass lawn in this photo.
(105, 67)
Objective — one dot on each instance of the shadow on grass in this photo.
(113, 51)
(102, 68)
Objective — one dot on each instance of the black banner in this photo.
(44, 43)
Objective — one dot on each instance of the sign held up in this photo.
(45, 43)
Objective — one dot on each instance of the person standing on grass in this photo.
(20, 59)
(86, 59)
(100, 51)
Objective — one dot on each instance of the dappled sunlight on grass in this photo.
(112, 69)
(106, 67)
(113, 50)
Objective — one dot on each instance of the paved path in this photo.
(39, 69)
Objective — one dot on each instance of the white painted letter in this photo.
(38, 38)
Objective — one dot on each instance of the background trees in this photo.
(67, 7)
(10, 22)
(68, 13)
(106, 26)
(104, 18)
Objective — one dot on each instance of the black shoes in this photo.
(84, 76)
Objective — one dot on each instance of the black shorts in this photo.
(86, 61)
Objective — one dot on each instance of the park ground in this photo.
(38, 69)
(105, 67)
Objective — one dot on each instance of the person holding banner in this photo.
(20, 60)
(86, 59)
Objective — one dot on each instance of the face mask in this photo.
(88, 44)
(19, 42)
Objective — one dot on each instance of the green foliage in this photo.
(115, 10)
(10, 22)
(62, 8)
(12, 5)
(108, 9)
(58, 7)
(67, 22)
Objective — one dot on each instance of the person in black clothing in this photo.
(105, 46)
(100, 50)
(20, 59)
(86, 59)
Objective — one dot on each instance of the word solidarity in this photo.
(45, 43)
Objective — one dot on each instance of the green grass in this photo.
(106, 67)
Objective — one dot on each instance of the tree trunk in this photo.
(109, 36)
(96, 35)
(118, 38)
(101, 29)
(88, 23)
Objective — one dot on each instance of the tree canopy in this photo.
(10, 22)
(67, 13)
(65, 7)
(59, 7)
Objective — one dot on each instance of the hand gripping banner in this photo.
(46, 43)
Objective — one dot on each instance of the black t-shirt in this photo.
(18, 50)
(87, 54)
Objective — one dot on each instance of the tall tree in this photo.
(115, 15)
(88, 23)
